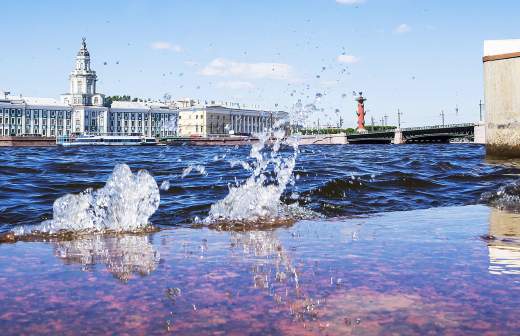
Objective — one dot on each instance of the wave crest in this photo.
(507, 197)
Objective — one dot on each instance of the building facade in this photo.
(218, 120)
(157, 120)
(31, 117)
(82, 110)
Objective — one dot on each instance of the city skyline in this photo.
(425, 58)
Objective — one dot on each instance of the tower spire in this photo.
(83, 51)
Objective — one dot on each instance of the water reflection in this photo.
(123, 255)
(274, 272)
(504, 242)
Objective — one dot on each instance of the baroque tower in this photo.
(82, 82)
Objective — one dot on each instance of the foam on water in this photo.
(124, 204)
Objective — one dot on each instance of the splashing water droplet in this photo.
(165, 185)
(259, 196)
(199, 168)
(125, 203)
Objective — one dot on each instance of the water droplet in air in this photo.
(165, 185)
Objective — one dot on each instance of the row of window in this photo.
(139, 116)
(43, 131)
(36, 113)
(18, 121)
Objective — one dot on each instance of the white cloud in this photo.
(161, 45)
(227, 68)
(235, 85)
(402, 29)
(349, 59)
(350, 2)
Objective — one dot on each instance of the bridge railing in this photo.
(420, 128)
(437, 127)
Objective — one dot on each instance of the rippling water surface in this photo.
(333, 181)
(398, 245)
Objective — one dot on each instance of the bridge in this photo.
(427, 134)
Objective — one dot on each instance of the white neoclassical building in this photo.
(225, 119)
(82, 110)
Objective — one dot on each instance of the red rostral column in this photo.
(361, 113)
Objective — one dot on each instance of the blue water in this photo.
(399, 247)
(331, 180)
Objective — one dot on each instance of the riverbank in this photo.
(441, 271)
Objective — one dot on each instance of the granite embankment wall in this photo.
(27, 141)
(502, 97)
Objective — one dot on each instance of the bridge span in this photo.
(427, 134)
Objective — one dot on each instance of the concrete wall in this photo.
(26, 141)
(502, 97)
(323, 139)
(480, 133)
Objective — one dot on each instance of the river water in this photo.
(386, 239)
(331, 180)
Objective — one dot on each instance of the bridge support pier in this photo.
(480, 133)
(398, 137)
(502, 97)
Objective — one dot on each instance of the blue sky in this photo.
(419, 56)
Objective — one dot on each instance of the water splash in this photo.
(259, 196)
(507, 197)
(124, 204)
(199, 168)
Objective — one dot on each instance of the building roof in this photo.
(140, 105)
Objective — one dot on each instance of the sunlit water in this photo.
(333, 181)
(364, 258)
